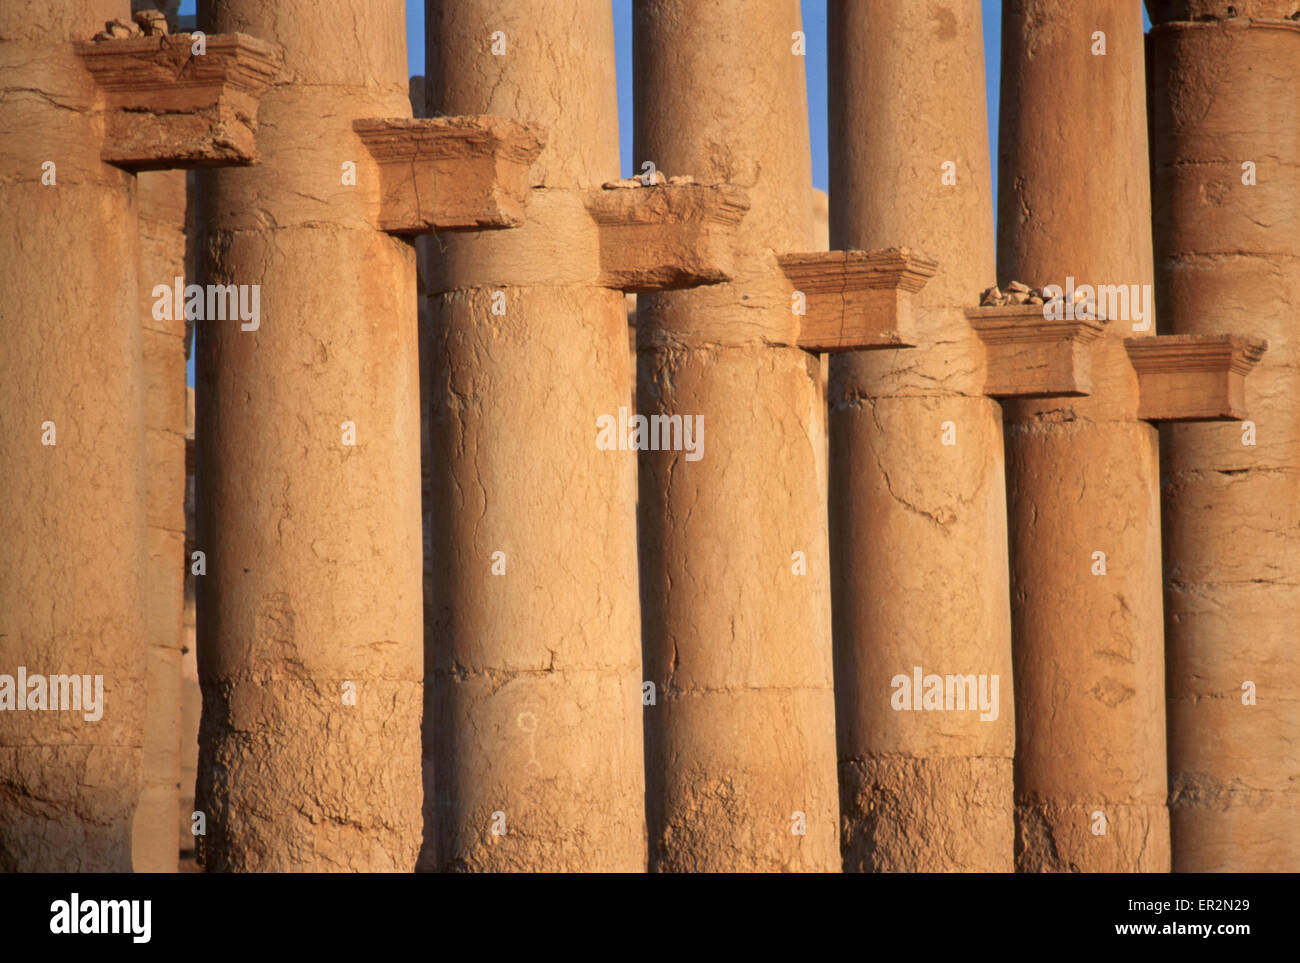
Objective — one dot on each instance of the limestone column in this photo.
(72, 559)
(191, 694)
(1226, 168)
(1082, 476)
(917, 493)
(162, 216)
(740, 752)
(533, 684)
(308, 469)
(1083, 485)
(162, 207)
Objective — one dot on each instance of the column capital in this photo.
(485, 158)
(169, 107)
(665, 237)
(858, 299)
(1030, 356)
(1193, 377)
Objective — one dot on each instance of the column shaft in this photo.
(918, 527)
(532, 695)
(1227, 240)
(162, 199)
(1082, 472)
(308, 469)
(740, 753)
(72, 559)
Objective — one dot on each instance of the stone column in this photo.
(308, 469)
(533, 684)
(1227, 185)
(917, 494)
(162, 208)
(191, 694)
(1083, 485)
(72, 559)
(163, 203)
(740, 753)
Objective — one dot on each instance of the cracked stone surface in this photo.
(533, 680)
(918, 528)
(73, 356)
(313, 546)
(1231, 511)
(1082, 473)
(742, 737)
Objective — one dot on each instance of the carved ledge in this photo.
(1193, 377)
(1029, 356)
(857, 299)
(451, 173)
(170, 108)
(663, 238)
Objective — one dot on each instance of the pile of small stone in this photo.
(146, 23)
(1016, 293)
(656, 180)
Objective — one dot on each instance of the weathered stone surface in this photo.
(1082, 472)
(166, 107)
(1193, 377)
(532, 728)
(74, 553)
(162, 222)
(1028, 356)
(857, 299)
(918, 525)
(445, 173)
(664, 238)
(1228, 259)
(312, 592)
(740, 753)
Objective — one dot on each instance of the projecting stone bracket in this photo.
(451, 173)
(1193, 377)
(1029, 356)
(857, 299)
(168, 107)
(665, 237)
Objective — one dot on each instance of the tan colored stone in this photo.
(1027, 355)
(487, 159)
(1228, 258)
(532, 722)
(740, 754)
(856, 299)
(167, 108)
(917, 526)
(312, 545)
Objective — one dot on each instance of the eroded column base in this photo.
(1220, 830)
(737, 783)
(1061, 836)
(67, 809)
(291, 779)
(901, 814)
(543, 772)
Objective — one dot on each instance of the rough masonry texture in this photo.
(918, 527)
(1226, 173)
(740, 751)
(537, 509)
(307, 472)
